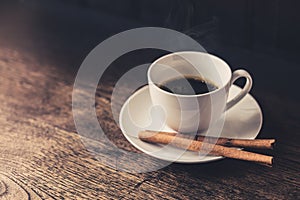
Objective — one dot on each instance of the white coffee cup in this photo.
(196, 112)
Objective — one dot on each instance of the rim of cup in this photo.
(188, 52)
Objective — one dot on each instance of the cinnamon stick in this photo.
(193, 145)
(243, 143)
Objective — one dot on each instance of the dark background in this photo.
(260, 36)
(246, 23)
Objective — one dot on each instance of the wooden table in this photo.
(42, 156)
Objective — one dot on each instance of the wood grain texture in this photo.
(9, 189)
(42, 156)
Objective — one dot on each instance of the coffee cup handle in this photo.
(240, 73)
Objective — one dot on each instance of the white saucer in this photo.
(244, 121)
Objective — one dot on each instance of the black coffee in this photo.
(188, 85)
